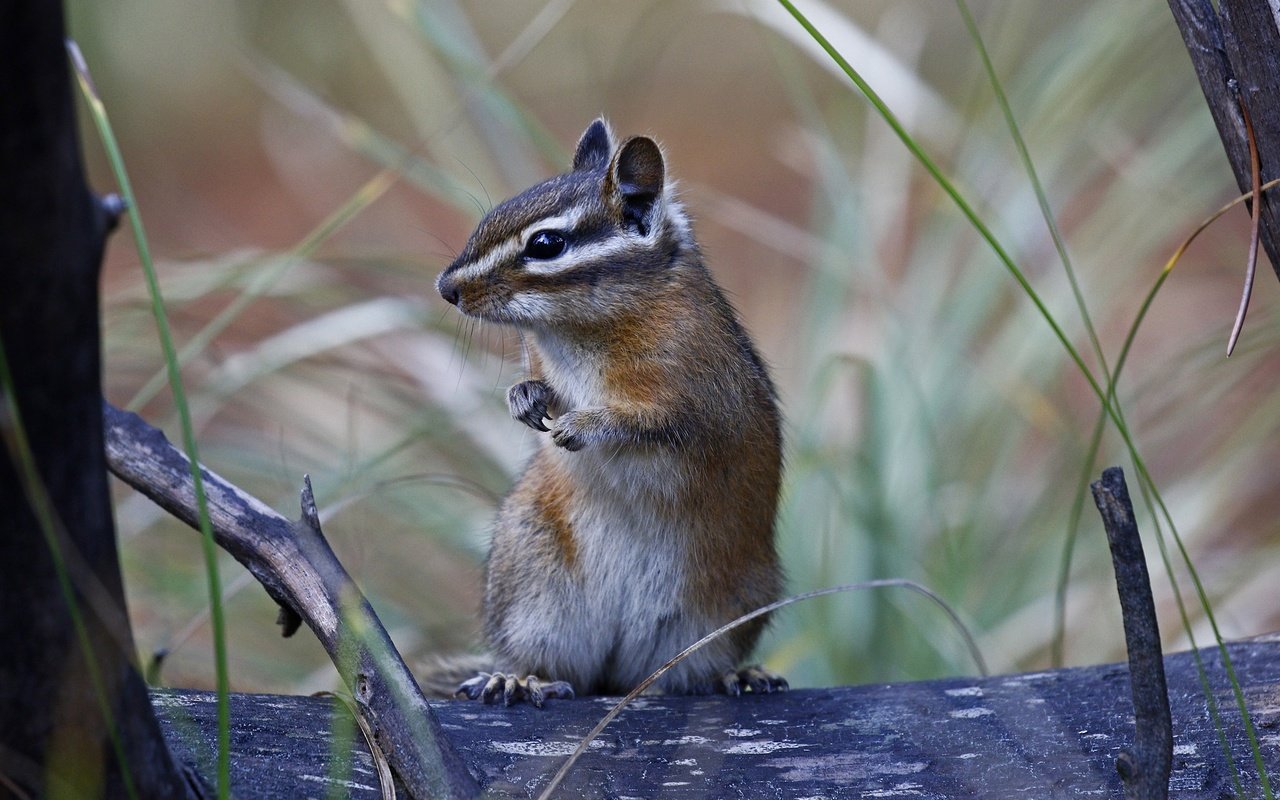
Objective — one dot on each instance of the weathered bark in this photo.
(1042, 735)
(294, 563)
(1234, 52)
(59, 706)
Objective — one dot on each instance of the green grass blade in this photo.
(99, 113)
(1037, 187)
(1056, 644)
(360, 136)
(1201, 673)
(1095, 439)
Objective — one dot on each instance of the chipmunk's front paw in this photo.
(574, 429)
(489, 686)
(529, 402)
(756, 678)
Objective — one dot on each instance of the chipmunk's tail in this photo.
(441, 675)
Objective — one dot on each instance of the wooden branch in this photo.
(1234, 55)
(1145, 768)
(295, 564)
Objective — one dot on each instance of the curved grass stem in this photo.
(744, 619)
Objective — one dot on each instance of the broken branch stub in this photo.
(1146, 767)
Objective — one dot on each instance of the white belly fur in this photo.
(628, 612)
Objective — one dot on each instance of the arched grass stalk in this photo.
(99, 113)
(1137, 323)
(1164, 555)
(340, 748)
(1095, 439)
(742, 620)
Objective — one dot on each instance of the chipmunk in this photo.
(645, 518)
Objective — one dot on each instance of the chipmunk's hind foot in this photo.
(755, 679)
(489, 686)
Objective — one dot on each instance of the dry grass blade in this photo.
(262, 282)
(745, 618)
(386, 781)
(1251, 263)
(10, 786)
(542, 23)
(465, 485)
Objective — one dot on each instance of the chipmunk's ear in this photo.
(594, 148)
(635, 179)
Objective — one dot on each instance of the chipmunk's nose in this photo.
(448, 290)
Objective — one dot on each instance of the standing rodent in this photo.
(646, 517)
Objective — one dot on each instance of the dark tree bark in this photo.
(52, 698)
(1046, 736)
(1234, 52)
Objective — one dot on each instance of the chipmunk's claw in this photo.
(568, 439)
(754, 678)
(575, 429)
(528, 402)
(489, 686)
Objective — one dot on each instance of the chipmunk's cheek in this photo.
(527, 306)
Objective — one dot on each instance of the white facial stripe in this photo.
(489, 260)
(559, 222)
(577, 255)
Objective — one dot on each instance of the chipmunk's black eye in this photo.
(545, 244)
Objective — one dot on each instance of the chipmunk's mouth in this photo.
(495, 301)
(488, 308)
(485, 305)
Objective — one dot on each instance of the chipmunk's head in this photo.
(576, 249)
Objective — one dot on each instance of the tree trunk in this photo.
(70, 725)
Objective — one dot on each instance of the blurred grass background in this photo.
(306, 168)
